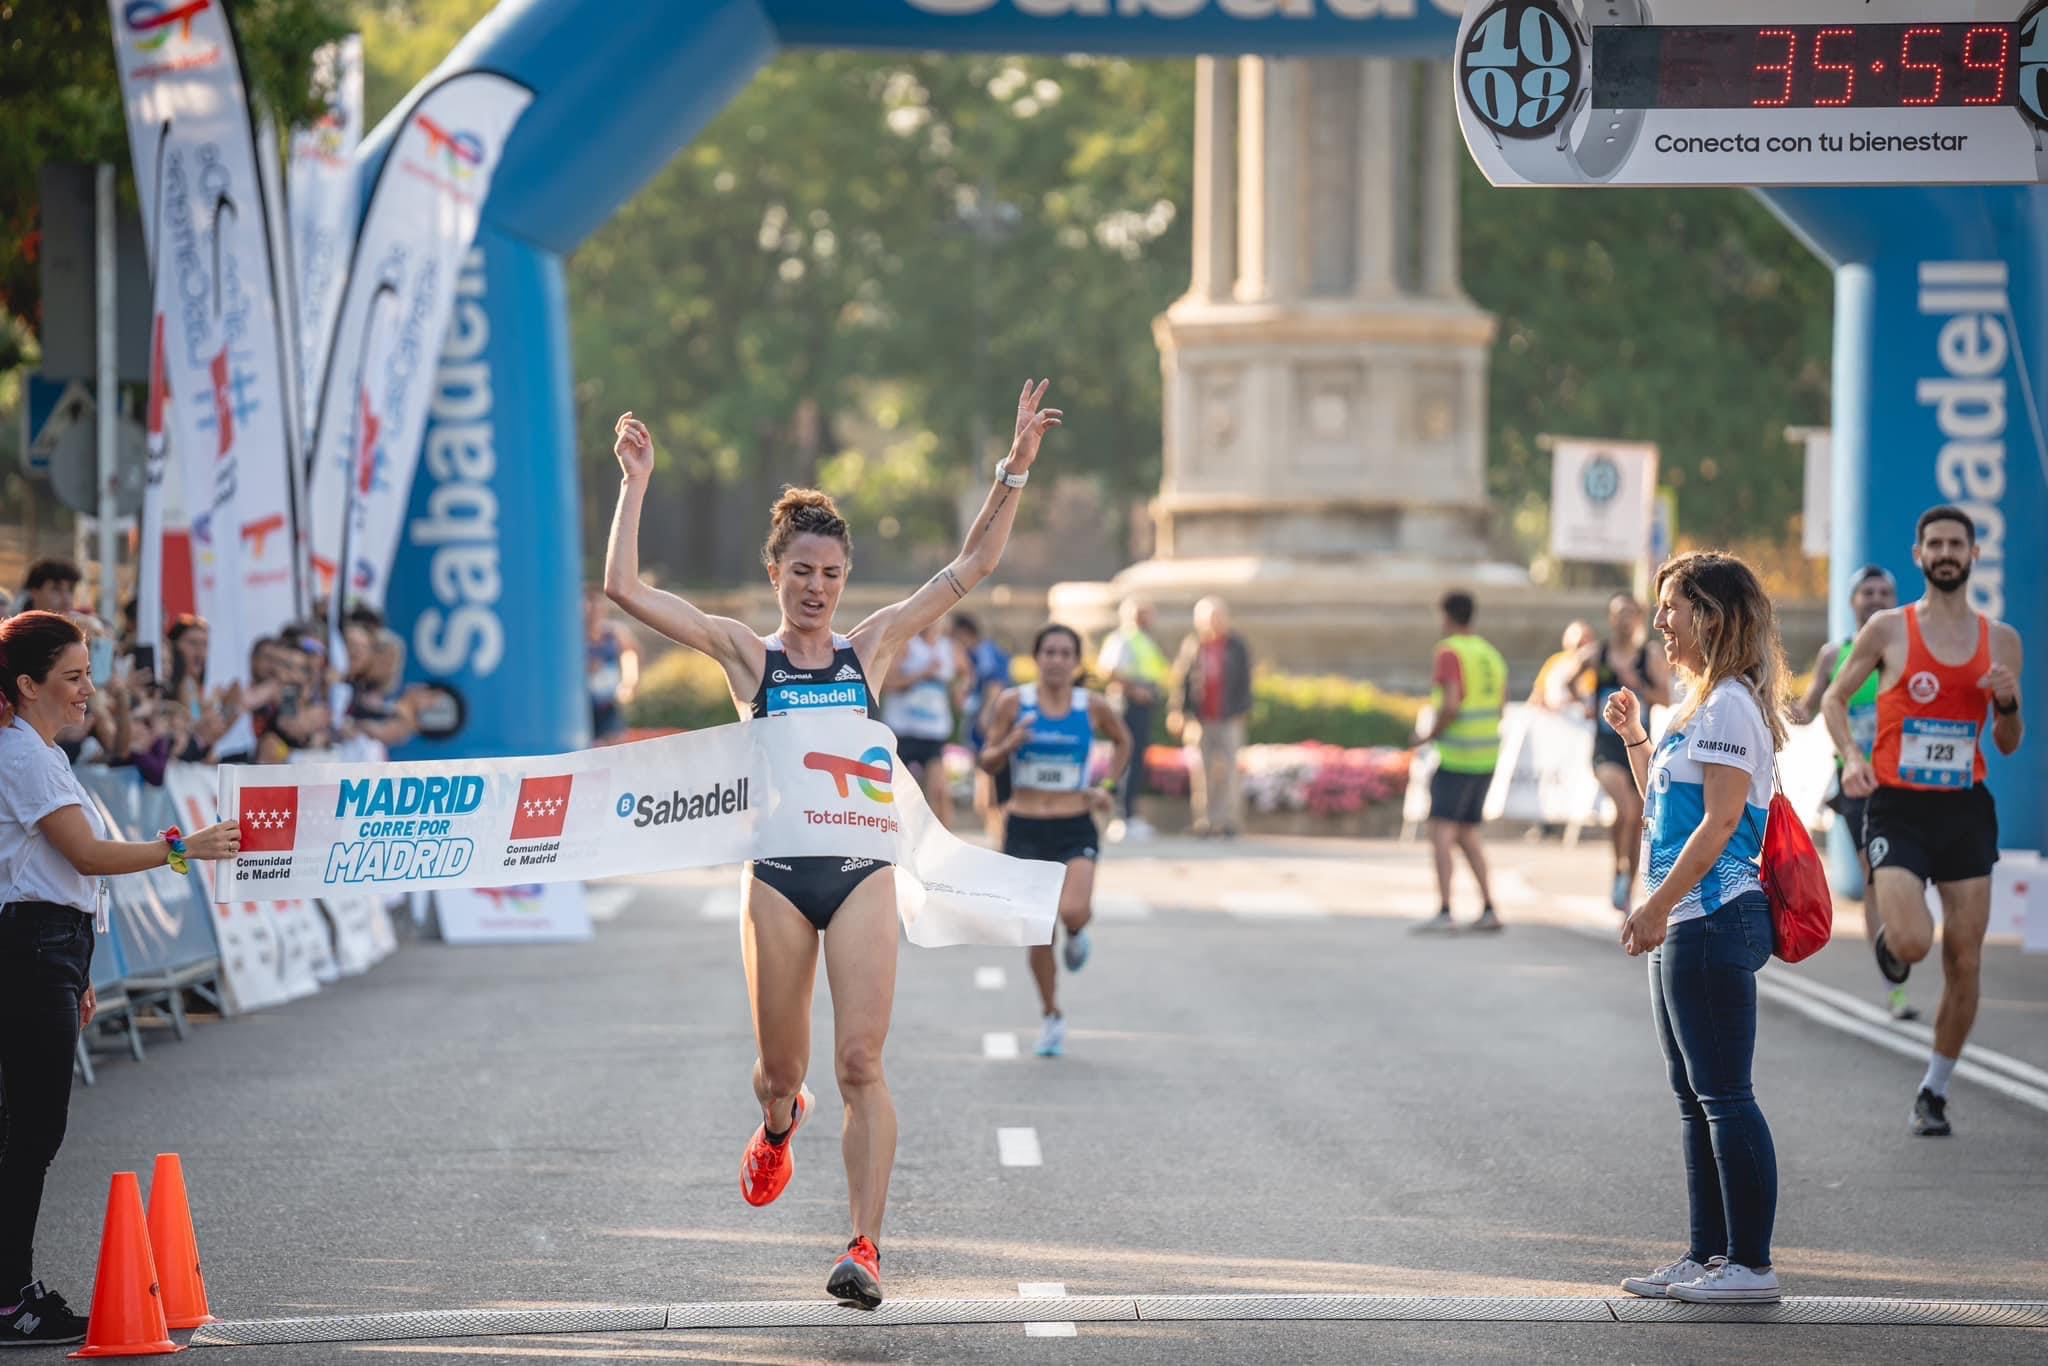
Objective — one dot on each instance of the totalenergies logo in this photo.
(462, 154)
(152, 22)
(873, 771)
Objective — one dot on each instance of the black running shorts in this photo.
(1936, 836)
(1458, 798)
(913, 750)
(1058, 839)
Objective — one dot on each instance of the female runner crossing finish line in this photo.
(791, 903)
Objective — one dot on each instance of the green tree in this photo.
(63, 103)
(1686, 317)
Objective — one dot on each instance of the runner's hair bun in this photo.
(804, 512)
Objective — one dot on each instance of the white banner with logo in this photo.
(323, 209)
(394, 311)
(535, 913)
(1602, 499)
(229, 433)
(825, 785)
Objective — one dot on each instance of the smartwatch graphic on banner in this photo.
(1526, 72)
(2034, 81)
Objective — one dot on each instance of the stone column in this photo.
(1268, 180)
(1442, 158)
(1381, 150)
(1215, 225)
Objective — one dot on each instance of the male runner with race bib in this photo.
(1944, 668)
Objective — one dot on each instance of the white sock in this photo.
(1939, 1069)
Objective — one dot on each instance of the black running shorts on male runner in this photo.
(1936, 836)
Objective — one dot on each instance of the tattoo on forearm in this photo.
(953, 582)
(1002, 497)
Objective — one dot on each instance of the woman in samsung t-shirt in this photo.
(1705, 922)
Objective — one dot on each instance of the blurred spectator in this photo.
(1138, 674)
(1212, 697)
(611, 664)
(1564, 679)
(51, 586)
(986, 675)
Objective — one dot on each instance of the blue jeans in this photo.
(1703, 998)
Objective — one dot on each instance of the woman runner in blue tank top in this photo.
(1041, 735)
(792, 905)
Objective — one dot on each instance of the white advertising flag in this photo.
(1602, 500)
(1817, 524)
(228, 429)
(323, 209)
(827, 784)
(400, 295)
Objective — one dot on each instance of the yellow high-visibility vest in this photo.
(1471, 743)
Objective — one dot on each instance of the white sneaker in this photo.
(1052, 1036)
(1137, 830)
(1117, 831)
(1653, 1286)
(1729, 1283)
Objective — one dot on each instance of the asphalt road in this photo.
(1271, 1087)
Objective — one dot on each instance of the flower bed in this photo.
(1321, 780)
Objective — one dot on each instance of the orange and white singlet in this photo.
(1930, 722)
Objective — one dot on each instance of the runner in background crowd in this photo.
(1563, 682)
(917, 703)
(1043, 733)
(1623, 660)
(1944, 669)
(1873, 590)
(988, 675)
(1138, 675)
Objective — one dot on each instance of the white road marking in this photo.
(989, 979)
(2026, 1074)
(1122, 908)
(999, 1045)
(722, 904)
(1032, 1290)
(1825, 1005)
(1271, 905)
(1018, 1148)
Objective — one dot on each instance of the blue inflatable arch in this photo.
(1930, 283)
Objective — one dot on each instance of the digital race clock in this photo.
(1755, 92)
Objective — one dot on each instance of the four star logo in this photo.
(270, 819)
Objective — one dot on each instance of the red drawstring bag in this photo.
(1796, 882)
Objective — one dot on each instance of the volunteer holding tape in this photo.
(792, 903)
(54, 857)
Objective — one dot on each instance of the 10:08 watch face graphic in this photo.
(1522, 67)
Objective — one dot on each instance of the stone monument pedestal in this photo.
(1324, 468)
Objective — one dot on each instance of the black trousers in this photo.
(45, 967)
(1138, 717)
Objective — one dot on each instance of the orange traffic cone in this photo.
(127, 1317)
(176, 1246)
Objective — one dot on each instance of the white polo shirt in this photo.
(36, 779)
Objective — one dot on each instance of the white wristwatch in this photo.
(1607, 136)
(1015, 481)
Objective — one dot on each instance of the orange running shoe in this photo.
(766, 1167)
(857, 1275)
